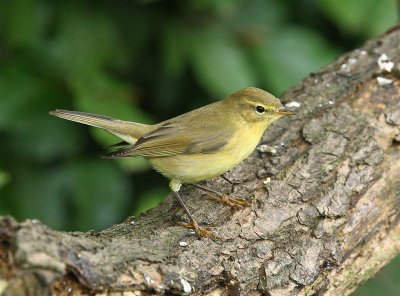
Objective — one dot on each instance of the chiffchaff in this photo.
(198, 145)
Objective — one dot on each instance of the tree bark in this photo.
(324, 216)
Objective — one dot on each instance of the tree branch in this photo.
(324, 217)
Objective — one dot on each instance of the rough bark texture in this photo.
(324, 217)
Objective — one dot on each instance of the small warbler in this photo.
(198, 145)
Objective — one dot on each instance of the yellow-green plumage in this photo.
(197, 145)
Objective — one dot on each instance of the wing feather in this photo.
(170, 139)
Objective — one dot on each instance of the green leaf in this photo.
(220, 65)
(289, 56)
(366, 17)
(86, 41)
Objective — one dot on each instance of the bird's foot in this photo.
(200, 231)
(234, 202)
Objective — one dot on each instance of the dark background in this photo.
(146, 61)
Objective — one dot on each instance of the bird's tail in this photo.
(126, 130)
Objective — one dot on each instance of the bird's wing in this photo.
(171, 139)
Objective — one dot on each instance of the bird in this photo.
(195, 146)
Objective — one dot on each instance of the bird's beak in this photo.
(285, 112)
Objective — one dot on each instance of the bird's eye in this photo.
(260, 109)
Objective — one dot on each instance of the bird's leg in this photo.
(229, 181)
(200, 231)
(234, 202)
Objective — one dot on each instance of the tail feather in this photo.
(126, 130)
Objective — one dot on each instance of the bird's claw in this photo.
(234, 202)
(200, 231)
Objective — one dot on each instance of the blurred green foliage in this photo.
(145, 61)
